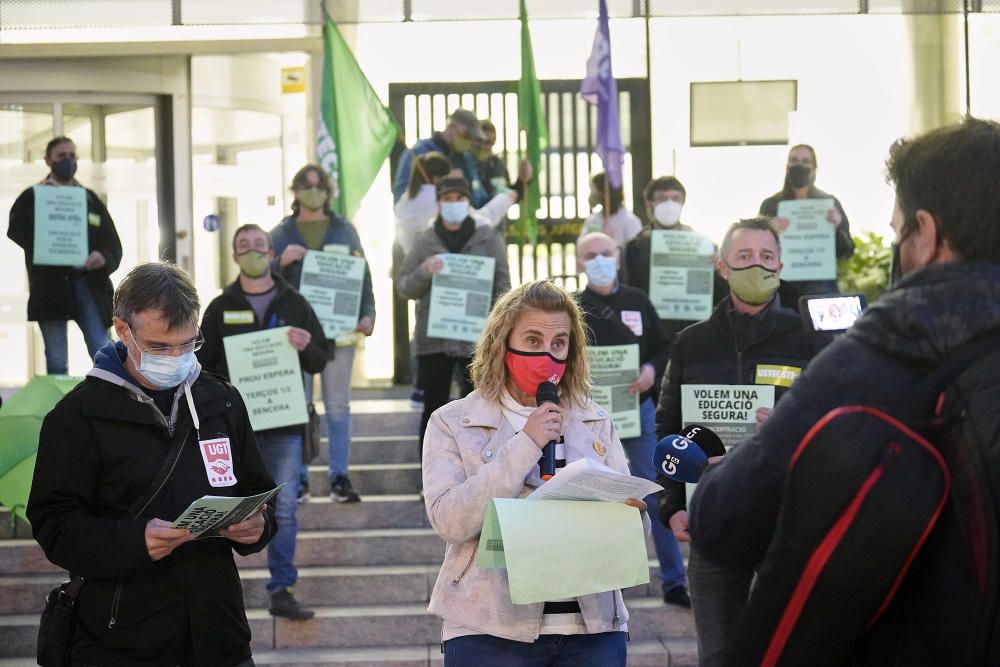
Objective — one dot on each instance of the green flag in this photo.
(531, 121)
(356, 131)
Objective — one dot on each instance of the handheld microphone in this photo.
(682, 458)
(705, 438)
(547, 393)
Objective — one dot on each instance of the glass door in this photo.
(115, 139)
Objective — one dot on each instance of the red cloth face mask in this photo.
(530, 369)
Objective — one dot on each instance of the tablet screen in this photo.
(834, 313)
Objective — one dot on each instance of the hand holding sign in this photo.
(365, 326)
(299, 338)
(433, 264)
(95, 260)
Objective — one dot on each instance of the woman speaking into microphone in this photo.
(487, 445)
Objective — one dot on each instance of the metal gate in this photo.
(566, 165)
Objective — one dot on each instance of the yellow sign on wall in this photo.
(293, 80)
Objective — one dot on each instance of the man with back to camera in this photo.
(748, 334)
(57, 294)
(946, 220)
(152, 596)
(617, 314)
(455, 141)
(260, 299)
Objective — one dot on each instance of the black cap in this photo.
(453, 184)
(468, 120)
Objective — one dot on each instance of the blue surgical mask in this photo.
(454, 212)
(601, 271)
(165, 371)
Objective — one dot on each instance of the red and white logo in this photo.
(218, 458)
(633, 320)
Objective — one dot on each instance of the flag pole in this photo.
(607, 202)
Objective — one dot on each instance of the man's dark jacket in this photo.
(99, 449)
(288, 308)
(905, 334)
(50, 293)
(603, 317)
(727, 349)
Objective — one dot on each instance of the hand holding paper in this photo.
(162, 538)
(636, 503)
(586, 479)
(247, 531)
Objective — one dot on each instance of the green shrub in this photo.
(867, 270)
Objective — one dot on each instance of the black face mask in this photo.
(798, 175)
(64, 169)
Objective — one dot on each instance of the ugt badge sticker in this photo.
(218, 458)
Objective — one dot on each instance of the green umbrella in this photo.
(20, 422)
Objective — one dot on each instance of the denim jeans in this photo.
(335, 383)
(718, 595)
(640, 462)
(88, 318)
(283, 458)
(605, 649)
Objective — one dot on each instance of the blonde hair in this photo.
(489, 371)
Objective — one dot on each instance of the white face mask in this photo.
(667, 213)
(601, 271)
(454, 212)
(165, 371)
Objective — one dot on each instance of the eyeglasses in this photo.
(164, 350)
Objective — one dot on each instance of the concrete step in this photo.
(417, 545)
(376, 449)
(318, 585)
(24, 557)
(377, 546)
(374, 511)
(408, 624)
(649, 653)
(373, 546)
(348, 585)
(371, 478)
(386, 418)
(372, 626)
(402, 656)
(13, 527)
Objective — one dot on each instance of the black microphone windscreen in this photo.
(546, 393)
(705, 438)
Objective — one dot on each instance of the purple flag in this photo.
(599, 88)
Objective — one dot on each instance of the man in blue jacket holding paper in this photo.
(258, 300)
